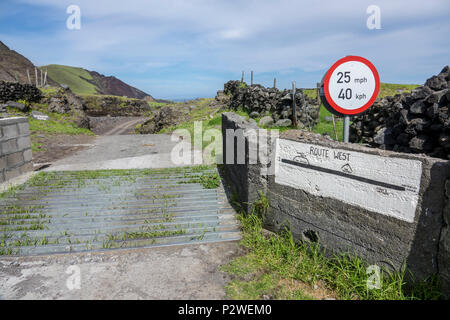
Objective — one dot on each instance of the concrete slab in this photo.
(181, 272)
(125, 152)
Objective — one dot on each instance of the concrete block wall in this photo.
(423, 243)
(444, 245)
(15, 148)
(244, 178)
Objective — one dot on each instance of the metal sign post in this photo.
(346, 132)
(294, 117)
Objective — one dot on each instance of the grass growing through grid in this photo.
(16, 216)
(277, 267)
(208, 181)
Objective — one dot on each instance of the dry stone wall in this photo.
(13, 91)
(260, 101)
(416, 122)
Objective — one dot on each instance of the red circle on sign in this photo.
(372, 99)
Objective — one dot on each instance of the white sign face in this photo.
(389, 186)
(351, 85)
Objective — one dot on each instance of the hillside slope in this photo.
(84, 82)
(14, 66)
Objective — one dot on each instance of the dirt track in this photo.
(55, 147)
(108, 126)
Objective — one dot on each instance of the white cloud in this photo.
(227, 36)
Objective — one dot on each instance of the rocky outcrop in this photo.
(65, 101)
(165, 117)
(101, 106)
(22, 107)
(260, 101)
(221, 100)
(13, 91)
(416, 122)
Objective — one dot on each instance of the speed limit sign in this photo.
(351, 85)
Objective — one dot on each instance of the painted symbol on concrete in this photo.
(347, 168)
(301, 158)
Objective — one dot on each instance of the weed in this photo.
(277, 266)
(208, 181)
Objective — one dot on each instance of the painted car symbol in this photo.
(301, 158)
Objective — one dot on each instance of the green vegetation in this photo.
(49, 91)
(94, 100)
(386, 89)
(202, 113)
(390, 89)
(57, 124)
(208, 181)
(278, 267)
(76, 78)
(326, 126)
(157, 105)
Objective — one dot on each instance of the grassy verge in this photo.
(325, 125)
(56, 126)
(277, 267)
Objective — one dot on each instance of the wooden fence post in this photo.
(319, 102)
(294, 117)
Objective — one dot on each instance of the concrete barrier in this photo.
(15, 148)
(389, 208)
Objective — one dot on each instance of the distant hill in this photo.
(83, 82)
(14, 66)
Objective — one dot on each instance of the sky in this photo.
(175, 49)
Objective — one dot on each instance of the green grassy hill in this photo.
(84, 82)
(76, 78)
